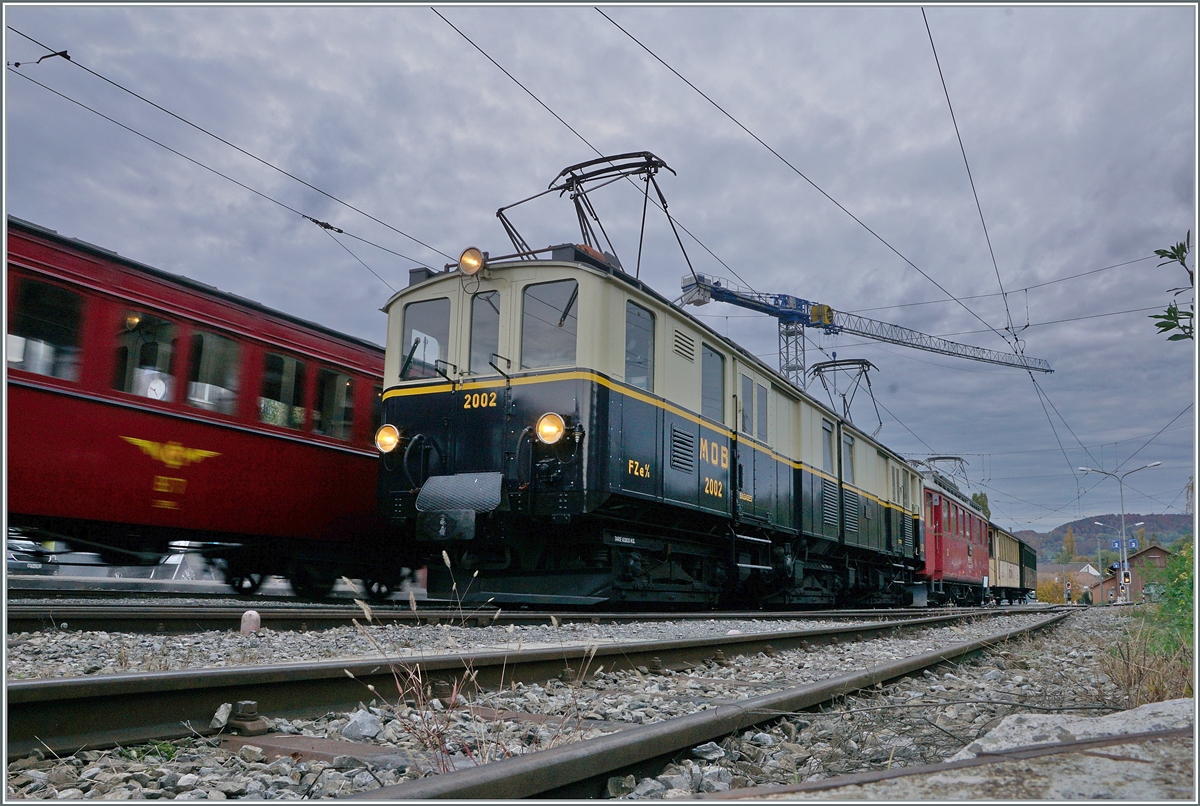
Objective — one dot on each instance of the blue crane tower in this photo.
(796, 314)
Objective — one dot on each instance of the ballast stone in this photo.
(362, 725)
(709, 751)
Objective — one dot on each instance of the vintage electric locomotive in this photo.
(555, 432)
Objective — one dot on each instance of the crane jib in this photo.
(795, 311)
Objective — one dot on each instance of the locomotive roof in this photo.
(572, 254)
(180, 280)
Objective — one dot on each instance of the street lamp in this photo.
(1121, 483)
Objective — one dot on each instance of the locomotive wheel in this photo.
(377, 589)
(311, 580)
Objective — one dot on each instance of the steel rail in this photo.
(580, 769)
(182, 618)
(67, 714)
(1021, 753)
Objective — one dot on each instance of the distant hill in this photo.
(1168, 529)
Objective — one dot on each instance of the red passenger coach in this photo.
(956, 544)
(144, 407)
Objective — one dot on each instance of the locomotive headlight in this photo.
(471, 261)
(550, 428)
(387, 438)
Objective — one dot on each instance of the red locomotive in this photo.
(956, 544)
(146, 407)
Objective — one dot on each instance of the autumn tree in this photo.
(980, 499)
(1069, 544)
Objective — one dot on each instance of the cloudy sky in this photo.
(1078, 124)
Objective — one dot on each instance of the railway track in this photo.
(66, 714)
(166, 617)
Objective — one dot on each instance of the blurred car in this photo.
(27, 557)
(182, 565)
(78, 564)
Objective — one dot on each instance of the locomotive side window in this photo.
(282, 399)
(827, 451)
(485, 329)
(712, 384)
(847, 458)
(639, 347)
(213, 382)
(426, 338)
(44, 331)
(333, 411)
(761, 404)
(549, 323)
(747, 405)
(145, 348)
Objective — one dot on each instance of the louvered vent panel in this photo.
(908, 533)
(829, 493)
(683, 450)
(685, 346)
(851, 506)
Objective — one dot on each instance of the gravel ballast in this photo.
(941, 712)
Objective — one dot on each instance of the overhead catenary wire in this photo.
(239, 149)
(978, 206)
(1016, 344)
(212, 170)
(585, 141)
(356, 257)
(1016, 291)
(801, 174)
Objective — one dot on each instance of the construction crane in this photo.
(795, 314)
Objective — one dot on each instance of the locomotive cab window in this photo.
(712, 384)
(43, 334)
(549, 324)
(847, 459)
(426, 338)
(333, 410)
(827, 450)
(639, 347)
(145, 348)
(213, 383)
(485, 330)
(282, 399)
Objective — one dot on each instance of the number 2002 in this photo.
(479, 400)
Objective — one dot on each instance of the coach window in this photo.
(282, 399)
(426, 338)
(847, 459)
(333, 410)
(549, 324)
(213, 380)
(376, 408)
(145, 347)
(485, 330)
(639, 347)
(827, 451)
(712, 384)
(44, 334)
(761, 406)
(747, 405)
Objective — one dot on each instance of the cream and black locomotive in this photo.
(556, 432)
